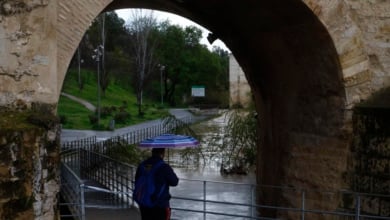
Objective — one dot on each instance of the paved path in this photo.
(112, 214)
(71, 134)
(88, 105)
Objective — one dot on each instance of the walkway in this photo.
(71, 134)
(112, 214)
(88, 105)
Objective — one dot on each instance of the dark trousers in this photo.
(155, 213)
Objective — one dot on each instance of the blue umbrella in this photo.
(169, 141)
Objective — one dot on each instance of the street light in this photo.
(162, 68)
(97, 53)
(80, 61)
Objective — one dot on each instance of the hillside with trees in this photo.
(153, 64)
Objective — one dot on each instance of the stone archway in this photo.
(306, 66)
(292, 66)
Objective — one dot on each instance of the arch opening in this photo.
(293, 69)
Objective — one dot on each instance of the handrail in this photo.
(73, 192)
(107, 181)
(207, 202)
(132, 137)
(357, 213)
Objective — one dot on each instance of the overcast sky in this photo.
(125, 14)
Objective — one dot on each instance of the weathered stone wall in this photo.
(304, 110)
(361, 34)
(29, 165)
(28, 51)
(74, 18)
(239, 89)
(359, 30)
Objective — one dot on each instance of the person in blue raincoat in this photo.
(164, 177)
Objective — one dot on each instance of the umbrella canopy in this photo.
(169, 141)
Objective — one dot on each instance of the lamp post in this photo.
(97, 53)
(80, 61)
(162, 68)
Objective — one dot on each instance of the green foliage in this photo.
(235, 143)
(125, 153)
(75, 113)
(117, 99)
(106, 111)
(239, 139)
(192, 64)
(93, 119)
(186, 61)
(63, 119)
(122, 117)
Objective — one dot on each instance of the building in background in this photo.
(240, 92)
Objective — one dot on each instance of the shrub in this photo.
(122, 116)
(105, 111)
(93, 119)
(63, 119)
(126, 153)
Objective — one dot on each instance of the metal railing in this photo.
(133, 137)
(200, 199)
(210, 199)
(115, 176)
(98, 181)
(84, 159)
(222, 200)
(79, 143)
(72, 191)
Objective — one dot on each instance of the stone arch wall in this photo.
(360, 31)
(300, 133)
(73, 19)
(304, 74)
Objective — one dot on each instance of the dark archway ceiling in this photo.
(230, 16)
(242, 26)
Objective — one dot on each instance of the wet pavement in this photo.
(112, 214)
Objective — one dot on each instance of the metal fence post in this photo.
(252, 199)
(204, 200)
(357, 215)
(303, 205)
(82, 201)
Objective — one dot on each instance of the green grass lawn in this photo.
(76, 116)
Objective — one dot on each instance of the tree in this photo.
(114, 37)
(192, 64)
(112, 28)
(172, 42)
(141, 29)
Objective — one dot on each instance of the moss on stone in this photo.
(42, 120)
(15, 121)
(30, 119)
